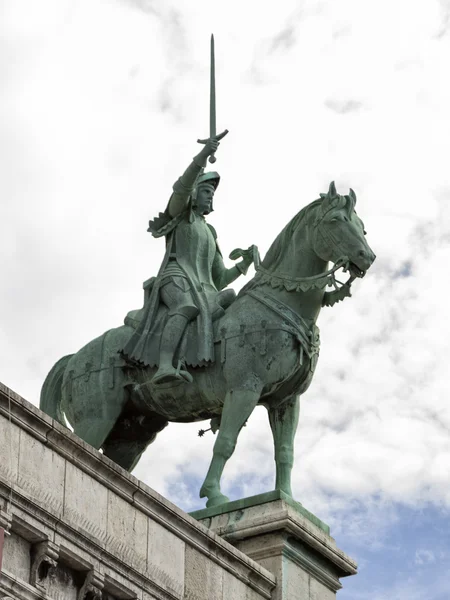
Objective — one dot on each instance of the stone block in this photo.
(296, 582)
(318, 591)
(16, 557)
(127, 533)
(9, 451)
(204, 578)
(85, 503)
(41, 474)
(234, 588)
(166, 558)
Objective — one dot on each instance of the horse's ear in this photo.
(332, 190)
(352, 195)
(329, 198)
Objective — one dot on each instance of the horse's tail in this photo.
(50, 401)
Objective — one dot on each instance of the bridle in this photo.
(304, 284)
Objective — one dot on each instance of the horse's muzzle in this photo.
(361, 263)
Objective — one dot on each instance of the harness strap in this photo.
(307, 336)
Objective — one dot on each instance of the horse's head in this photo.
(339, 234)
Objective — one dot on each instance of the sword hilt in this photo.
(212, 159)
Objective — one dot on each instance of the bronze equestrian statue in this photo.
(195, 351)
(265, 349)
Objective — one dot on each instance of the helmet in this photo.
(209, 177)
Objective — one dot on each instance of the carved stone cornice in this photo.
(92, 586)
(44, 560)
(5, 520)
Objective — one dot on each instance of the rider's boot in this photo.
(173, 331)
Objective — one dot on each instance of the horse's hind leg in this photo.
(94, 431)
(237, 408)
(126, 453)
(130, 437)
(284, 421)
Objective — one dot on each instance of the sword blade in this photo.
(212, 93)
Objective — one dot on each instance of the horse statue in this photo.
(266, 349)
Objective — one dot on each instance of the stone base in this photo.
(78, 527)
(286, 539)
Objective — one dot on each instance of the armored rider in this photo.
(191, 276)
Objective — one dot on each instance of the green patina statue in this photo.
(264, 351)
(195, 351)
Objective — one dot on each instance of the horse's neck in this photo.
(298, 263)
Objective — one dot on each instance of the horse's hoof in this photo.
(217, 500)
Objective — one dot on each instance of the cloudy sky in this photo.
(101, 104)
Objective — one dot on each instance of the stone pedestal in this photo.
(78, 527)
(286, 539)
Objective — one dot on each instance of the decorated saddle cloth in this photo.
(307, 337)
(188, 350)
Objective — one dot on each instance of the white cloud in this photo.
(100, 115)
(424, 557)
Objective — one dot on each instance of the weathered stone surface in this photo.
(16, 556)
(41, 474)
(296, 580)
(166, 558)
(204, 578)
(9, 451)
(127, 533)
(233, 587)
(288, 541)
(85, 502)
(91, 516)
(318, 591)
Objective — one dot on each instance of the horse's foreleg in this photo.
(284, 421)
(237, 408)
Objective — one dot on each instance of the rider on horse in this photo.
(191, 275)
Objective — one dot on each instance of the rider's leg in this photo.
(178, 298)
(224, 299)
(173, 332)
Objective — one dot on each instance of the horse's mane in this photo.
(275, 253)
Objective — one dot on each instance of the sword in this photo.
(212, 104)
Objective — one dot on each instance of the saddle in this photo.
(188, 349)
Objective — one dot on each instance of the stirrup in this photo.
(171, 375)
(182, 372)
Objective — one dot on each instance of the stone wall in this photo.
(80, 527)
